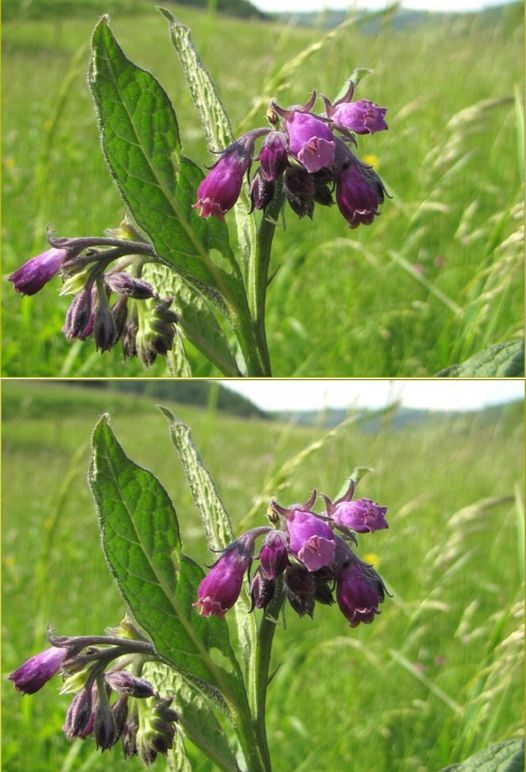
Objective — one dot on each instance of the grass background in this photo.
(435, 279)
(436, 677)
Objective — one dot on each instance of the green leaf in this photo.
(214, 119)
(503, 360)
(142, 544)
(141, 143)
(196, 716)
(197, 319)
(215, 518)
(507, 756)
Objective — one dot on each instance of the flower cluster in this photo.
(306, 556)
(310, 154)
(111, 303)
(111, 701)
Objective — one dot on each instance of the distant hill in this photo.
(43, 9)
(402, 417)
(511, 14)
(192, 392)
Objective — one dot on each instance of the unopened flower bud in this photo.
(80, 716)
(274, 556)
(104, 327)
(300, 190)
(261, 192)
(125, 284)
(124, 682)
(33, 674)
(105, 730)
(32, 275)
(300, 587)
(273, 156)
(261, 589)
(80, 316)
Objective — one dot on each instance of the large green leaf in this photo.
(141, 541)
(142, 146)
(503, 360)
(507, 756)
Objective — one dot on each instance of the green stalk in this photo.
(259, 269)
(263, 649)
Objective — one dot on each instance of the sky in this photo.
(374, 5)
(444, 394)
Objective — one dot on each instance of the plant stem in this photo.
(259, 268)
(263, 650)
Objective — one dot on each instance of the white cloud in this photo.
(299, 394)
(373, 5)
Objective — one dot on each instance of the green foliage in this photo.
(501, 757)
(503, 360)
(452, 558)
(436, 279)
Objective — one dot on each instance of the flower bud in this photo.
(274, 556)
(125, 284)
(104, 327)
(80, 716)
(359, 592)
(124, 682)
(300, 190)
(156, 329)
(261, 589)
(261, 192)
(220, 189)
(36, 671)
(273, 156)
(220, 588)
(32, 275)
(105, 730)
(300, 588)
(80, 316)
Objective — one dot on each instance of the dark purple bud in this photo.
(80, 716)
(261, 192)
(359, 192)
(157, 731)
(129, 736)
(80, 316)
(220, 189)
(359, 592)
(273, 156)
(125, 284)
(105, 730)
(129, 335)
(274, 554)
(322, 590)
(104, 327)
(300, 587)
(119, 311)
(363, 515)
(361, 117)
(32, 275)
(36, 671)
(124, 682)
(220, 588)
(261, 589)
(311, 540)
(300, 190)
(120, 712)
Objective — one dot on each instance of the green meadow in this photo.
(436, 677)
(435, 279)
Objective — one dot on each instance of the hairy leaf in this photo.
(141, 541)
(213, 118)
(503, 360)
(507, 756)
(141, 142)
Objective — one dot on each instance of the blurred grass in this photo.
(435, 279)
(437, 676)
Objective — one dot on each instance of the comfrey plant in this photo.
(175, 671)
(172, 272)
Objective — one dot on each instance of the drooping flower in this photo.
(80, 716)
(220, 588)
(33, 674)
(311, 140)
(362, 515)
(361, 117)
(300, 587)
(311, 539)
(32, 275)
(359, 591)
(359, 192)
(220, 189)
